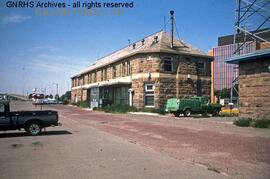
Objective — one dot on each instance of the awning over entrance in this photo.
(118, 81)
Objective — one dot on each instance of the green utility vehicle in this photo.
(192, 105)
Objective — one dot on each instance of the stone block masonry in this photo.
(254, 89)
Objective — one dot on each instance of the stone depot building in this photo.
(145, 74)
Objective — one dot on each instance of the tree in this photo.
(66, 97)
(224, 93)
(56, 97)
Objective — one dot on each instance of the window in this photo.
(85, 79)
(201, 68)
(81, 81)
(128, 68)
(2, 108)
(102, 75)
(113, 71)
(105, 74)
(149, 95)
(168, 66)
(123, 69)
(149, 87)
(89, 78)
(95, 77)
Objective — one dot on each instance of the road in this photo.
(94, 144)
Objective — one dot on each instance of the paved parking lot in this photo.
(100, 145)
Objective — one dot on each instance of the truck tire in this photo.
(33, 128)
(215, 112)
(176, 113)
(187, 113)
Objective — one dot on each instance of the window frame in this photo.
(113, 71)
(201, 71)
(168, 59)
(149, 92)
(123, 69)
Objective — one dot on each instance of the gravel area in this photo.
(213, 144)
(80, 150)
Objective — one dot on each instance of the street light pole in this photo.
(56, 88)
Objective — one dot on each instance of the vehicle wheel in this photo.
(33, 128)
(215, 112)
(187, 113)
(176, 114)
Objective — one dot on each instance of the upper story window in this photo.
(113, 71)
(81, 81)
(201, 68)
(128, 68)
(85, 79)
(105, 74)
(124, 69)
(94, 77)
(168, 64)
(102, 75)
(72, 83)
(89, 78)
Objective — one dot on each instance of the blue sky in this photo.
(37, 51)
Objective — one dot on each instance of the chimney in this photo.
(142, 41)
(172, 24)
(156, 39)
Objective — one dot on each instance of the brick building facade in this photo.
(145, 74)
(254, 84)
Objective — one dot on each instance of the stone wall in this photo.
(254, 89)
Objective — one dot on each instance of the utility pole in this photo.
(23, 76)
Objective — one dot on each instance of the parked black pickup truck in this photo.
(31, 121)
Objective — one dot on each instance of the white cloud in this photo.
(13, 18)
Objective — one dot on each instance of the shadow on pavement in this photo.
(24, 134)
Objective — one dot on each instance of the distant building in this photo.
(145, 74)
(225, 73)
(254, 83)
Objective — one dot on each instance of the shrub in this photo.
(74, 104)
(261, 123)
(83, 104)
(242, 122)
(119, 108)
(65, 102)
(153, 110)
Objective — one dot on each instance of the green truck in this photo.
(191, 105)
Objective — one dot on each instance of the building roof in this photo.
(150, 45)
(250, 56)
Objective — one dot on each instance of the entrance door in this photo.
(94, 93)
